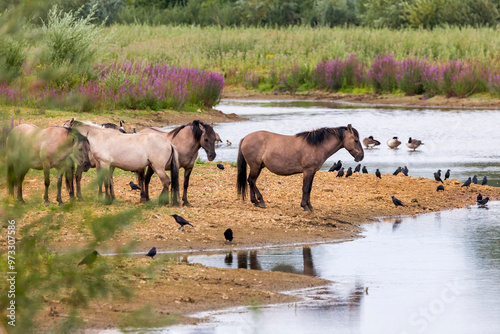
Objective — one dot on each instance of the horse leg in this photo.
(100, 179)
(107, 176)
(78, 177)
(46, 175)
(306, 190)
(111, 183)
(187, 174)
(59, 184)
(19, 182)
(147, 179)
(255, 195)
(140, 177)
(69, 176)
(165, 180)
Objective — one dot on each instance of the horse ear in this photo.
(72, 122)
(349, 127)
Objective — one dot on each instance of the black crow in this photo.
(485, 181)
(220, 166)
(181, 221)
(439, 173)
(228, 234)
(437, 178)
(440, 188)
(357, 169)
(341, 172)
(397, 202)
(349, 172)
(134, 186)
(447, 175)
(134, 130)
(336, 166)
(377, 174)
(89, 259)
(466, 183)
(152, 253)
(474, 179)
(397, 171)
(483, 201)
(479, 197)
(365, 171)
(405, 171)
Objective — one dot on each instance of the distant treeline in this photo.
(394, 14)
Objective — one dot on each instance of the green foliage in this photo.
(70, 40)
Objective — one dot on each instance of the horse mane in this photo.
(317, 136)
(89, 123)
(197, 132)
(77, 135)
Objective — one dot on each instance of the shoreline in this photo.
(178, 289)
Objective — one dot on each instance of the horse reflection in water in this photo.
(249, 260)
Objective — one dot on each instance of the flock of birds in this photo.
(393, 143)
(92, 257)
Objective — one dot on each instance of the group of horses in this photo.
(84, 145)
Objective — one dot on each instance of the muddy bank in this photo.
(478, 101)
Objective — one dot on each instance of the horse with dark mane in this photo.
(132, 152)
(188, 139)
(29, 147)
(304, 153)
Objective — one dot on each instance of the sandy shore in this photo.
(177, 289)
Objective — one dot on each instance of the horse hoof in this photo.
(61, 203)
(46, 203)
(186, 203)
(261, 205)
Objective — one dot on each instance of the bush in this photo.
(337, 74)
(383, 73)
(70, 40)
(12, 57)
(410, 79)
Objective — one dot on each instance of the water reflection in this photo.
(436, 273)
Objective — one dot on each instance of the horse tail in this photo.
(174, 175)
(241, 182)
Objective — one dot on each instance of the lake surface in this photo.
(465, 141)
(436, 273)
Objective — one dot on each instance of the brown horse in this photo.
(188, 139)
(132, 152)
(304, 153)
(28, 146)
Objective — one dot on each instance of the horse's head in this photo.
(207, 139)
(352, 143)
(81, 150)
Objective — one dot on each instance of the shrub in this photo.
(410, 78)
(336, 74)
(293, 78)
(383, 73)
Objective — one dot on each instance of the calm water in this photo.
(466, 141)
(437, 273)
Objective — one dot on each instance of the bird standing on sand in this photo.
(336, 166)
(466, 183)
(440, 188)
(474, 179)
(447, 175)
(220, 166)
(405, 171)
(393, 143)
(228, 234)
(370, 142)
(89, 259)
(152, 253)
(349, 172)
(181, 221)
(357, 169)
(439, 173)
(413, 143)
(437, 178)
(365, 171)
(485, 181)
(483, 201)
(479, 197)
(397, 171)
(377, 174)
(134, 186)
(341, 172)
(396, 201)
